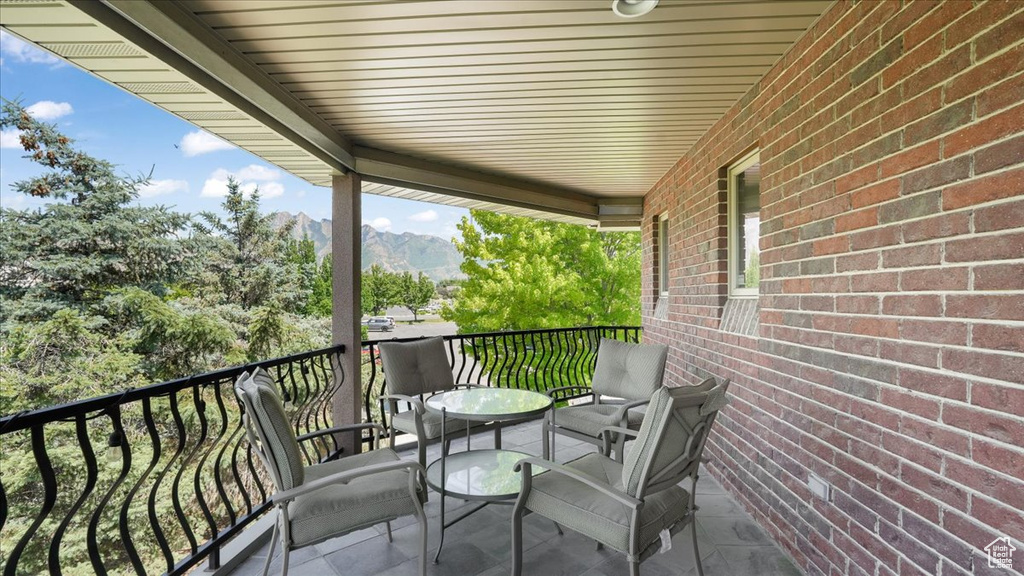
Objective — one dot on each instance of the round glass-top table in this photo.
(482, 475)
(489, 404)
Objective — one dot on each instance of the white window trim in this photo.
(663, 255)
(744, 163)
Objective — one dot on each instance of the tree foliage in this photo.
(414, 294)
(525, 274)
(90, 239)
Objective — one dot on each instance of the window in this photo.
(662, 223)
(744, 226)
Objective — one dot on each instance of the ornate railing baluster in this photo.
(531, 359)
(82, 434)
(49, 498)
(183, 481)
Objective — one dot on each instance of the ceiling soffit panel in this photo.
(558, 110)
(563, 93)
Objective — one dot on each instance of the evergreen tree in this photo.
(247, 260)
(91, 239)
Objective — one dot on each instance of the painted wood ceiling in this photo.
(561, 93)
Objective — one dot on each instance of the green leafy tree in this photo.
(752, 273)
(526, 274)
(414, 294)
(380, 290)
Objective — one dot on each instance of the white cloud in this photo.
(258, 172)
(202, 142)
(162, 187)
(382, 224)
(21, 51)
(10, 138)
(218, 187)
(249, 177)
(271, 190)
(425, 216)
(49, 110)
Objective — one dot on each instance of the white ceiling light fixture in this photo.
(632, 8)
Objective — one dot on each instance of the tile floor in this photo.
(731, 544)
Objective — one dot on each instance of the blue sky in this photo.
(114, 125)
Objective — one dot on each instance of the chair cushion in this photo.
(677, 410)
(269, 416)
(630, 371)
(414, 368)
(593, 514)
(341, 508)
(590, 418)
(405, 421)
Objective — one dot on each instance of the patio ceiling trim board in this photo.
(395, 169)
(174, 36)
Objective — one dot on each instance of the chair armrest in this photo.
(620, 412)
(526, 464)
(551, 392)
(344, 478)
(416, 403)
(606, 437)
(344, 428)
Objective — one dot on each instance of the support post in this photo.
(346, 298)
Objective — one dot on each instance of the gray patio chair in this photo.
(412, 371)
(626, 506)
(322, 501)
(627, 372)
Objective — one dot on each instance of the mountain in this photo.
(434, 256)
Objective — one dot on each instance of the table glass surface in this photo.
(480, 474)
(489, 403)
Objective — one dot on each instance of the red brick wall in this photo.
(890, 355)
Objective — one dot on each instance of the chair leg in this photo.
(388, 524)
(634, 568)
(270, 553)
(696, 550)
(517, 540)
(421, 518)
(545, 429)
(284, 559)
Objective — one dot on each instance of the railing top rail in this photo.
(22, 420)
(505, 333)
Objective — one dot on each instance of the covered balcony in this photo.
(831, 201)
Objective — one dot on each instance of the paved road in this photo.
(403, 330)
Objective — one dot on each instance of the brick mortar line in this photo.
(941, 399)
(899, 85)
(942, 506)
(833, 527)
(944, 319)
(937, 371)
(899, 176)
(961, 347)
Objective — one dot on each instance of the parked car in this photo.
(391, 320)
(380, 324)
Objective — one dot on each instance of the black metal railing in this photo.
(152, 480)
(528, 359)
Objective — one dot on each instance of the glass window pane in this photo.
(747, 227)
(663, 254)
